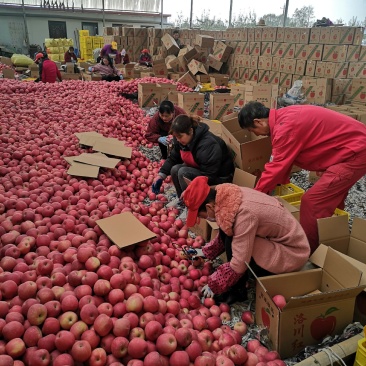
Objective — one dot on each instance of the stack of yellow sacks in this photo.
(56, 47)
(88, 44)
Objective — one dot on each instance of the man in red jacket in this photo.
(313, 138)
(50, 72)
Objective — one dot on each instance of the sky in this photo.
(332, 9)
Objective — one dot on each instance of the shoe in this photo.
(175, 203)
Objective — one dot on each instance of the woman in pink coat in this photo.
(254, 228)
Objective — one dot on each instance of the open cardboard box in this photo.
(250, 152)
(319, 302)
(125, 229)
(334, 233)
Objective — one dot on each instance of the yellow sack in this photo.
(21, 60)
(50, 42)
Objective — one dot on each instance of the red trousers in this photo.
(329, 193)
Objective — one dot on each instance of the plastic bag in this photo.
(21, 60)
(294, 95)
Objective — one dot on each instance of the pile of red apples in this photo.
(68, 295)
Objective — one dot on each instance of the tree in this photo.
(302, 17)
(244, 20)
(208, 23)
(273, 20)
(354, 22)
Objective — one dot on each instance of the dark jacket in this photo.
(157, 127)
(50, 72)
(210, 153)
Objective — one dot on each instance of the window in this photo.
(57, 29)
(91, 27)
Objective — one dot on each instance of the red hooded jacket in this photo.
(50, 72)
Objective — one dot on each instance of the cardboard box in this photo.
(280, 34)
(254, 48)
(170, 44)
(317, 90)
(9, 74)
(214, 62)
(357, 70)
(6, 60)
(334, 53)
(324, 37)
(125, 229)
(188, 79)
(192, 103)
(353, 53)
(204, 41)
(196, 67)
(358, 91)
(70, 76)
(252, 75)
(159, 68)
(220, 105)
(276, 63)
(214, 126)
(318, 302)
(222, 51)
(304, 35)
(173, 97)
(266, 48)
(219, 80)
(310, 68)
(265, 63)
(264, 93)
(238, 91)
(274, 77)
(320, 69)
(362, 53)
(341, 86)
(315, 35)
(342, 35)
(269, 34)
(202, 78)
(300, 67)
(285, 80)
(309, 51)
(288, 65)
(87, 76)
(263, 76)
(283, 49)
(250, 153)
(149, 95)
(165, 89)
(127, 70)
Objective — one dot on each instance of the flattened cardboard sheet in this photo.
(125, 229)
(112, 147)
(87, 138)
(83, 170)
(97, 159)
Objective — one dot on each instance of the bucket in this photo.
(361, 353)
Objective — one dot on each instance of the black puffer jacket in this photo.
(209, 152)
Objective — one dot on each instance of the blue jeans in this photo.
(181, 171)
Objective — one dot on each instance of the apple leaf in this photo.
(331, 310)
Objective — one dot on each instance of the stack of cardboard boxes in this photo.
(314, 55)
(133, 40)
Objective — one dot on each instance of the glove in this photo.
(206, 291)
(163, 140)
(147, 64)
(90, 69)
(155, 187)
(195, 252)
(121, 77)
